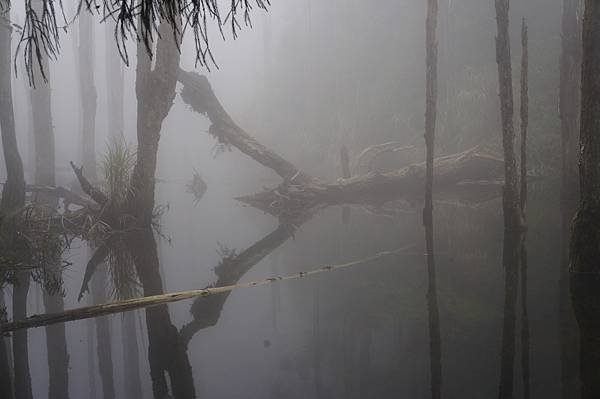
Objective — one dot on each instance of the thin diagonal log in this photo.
(198, 94)
(156, 300)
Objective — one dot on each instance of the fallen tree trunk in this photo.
(198, 94)
(156, 300)
(470, 175)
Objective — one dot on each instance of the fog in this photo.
(249, 184)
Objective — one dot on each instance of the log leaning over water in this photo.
(155, 300)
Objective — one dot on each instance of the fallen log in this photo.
(156, 300)
(199, 95)
(470, 174)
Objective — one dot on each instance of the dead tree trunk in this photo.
(114, 84)
(570, 100)
(585, 240)
(155, 91)
(435, 342)
(13, 192)
(88, 95)
(58, 359)
(6, 383)
(511, 203)
(103, 336)
(20, 342)
(525, 347)
(167, 351)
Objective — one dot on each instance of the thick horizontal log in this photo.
(468, 173)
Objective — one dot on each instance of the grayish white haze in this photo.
(309, 77)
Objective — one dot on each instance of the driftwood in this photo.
(156, 300)
(470, 174)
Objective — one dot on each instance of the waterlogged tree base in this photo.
(585, 240)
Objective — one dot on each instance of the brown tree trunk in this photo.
(570, 100)
(585, 240)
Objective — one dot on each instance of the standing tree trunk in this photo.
(6, 389)
(585, 240)
(435, 345)
(89, 96)
(155, 91)
(511, 204)
(512, 214)
(525, 347)
(570, 99)
(20, 342)
(43, 132)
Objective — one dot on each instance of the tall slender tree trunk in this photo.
(155, 91)
(570, 99)
(365, 362)
(6, 388)
(58, 358)
(513, 221)
(435, 346)
(103, 336)
(585, 239)
(20, 342)
(525, 349)
(86, 52)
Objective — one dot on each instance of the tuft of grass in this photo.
(117, 167)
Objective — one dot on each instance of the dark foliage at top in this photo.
(133, 19)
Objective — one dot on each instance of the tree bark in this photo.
(570, 101)
(13, 192)
(512, 214)
(115, 79)
(6, 383)
(435, 342)
(155, 91)
(585, 239)
(103, 335)
(20, 342)
(88, 94)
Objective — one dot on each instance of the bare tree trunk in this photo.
(585, 240)
(364, 383)
(511, 203)
(13, 192)
(570, 100)
(91, 358)
(20, 342)
(155, 91)
(512, 214)
(435, 345)
(114, 82)
(6, 388)
(131, 364)
(88, 94)
(525, 346)
(103, 337)
(166, 348)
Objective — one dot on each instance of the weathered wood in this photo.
(199, 95)
(457, 173)
(156, 300)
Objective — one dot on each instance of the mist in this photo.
(300, 199)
